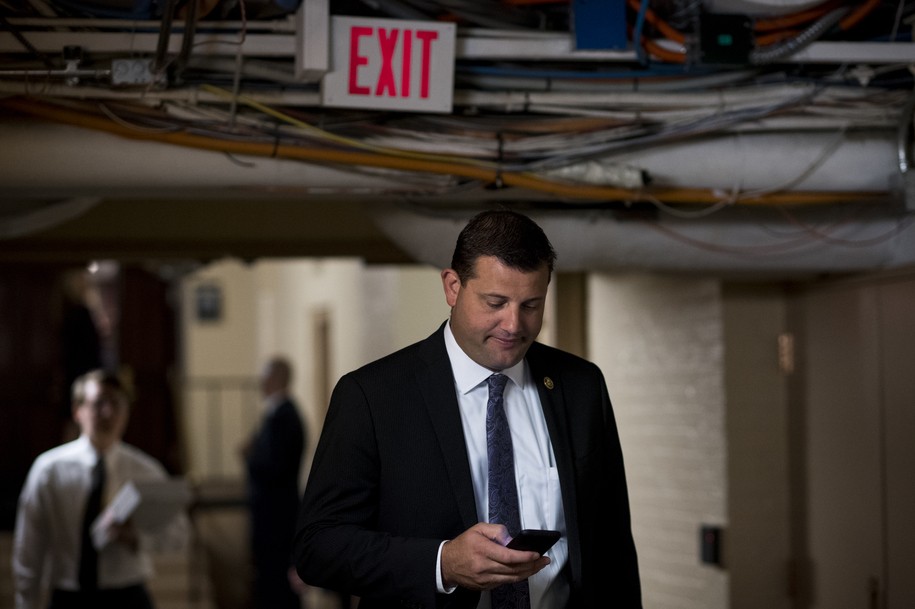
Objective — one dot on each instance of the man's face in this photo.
(496, 315)
(102, 415)
(268, 382)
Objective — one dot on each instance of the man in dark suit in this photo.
(273, 459)
(397, 509)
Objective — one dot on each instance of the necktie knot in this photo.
(496, 385)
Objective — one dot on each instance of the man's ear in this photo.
(451, 283)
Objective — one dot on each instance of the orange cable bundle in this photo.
(662, 53)
(852, 19)
(663, 27)
(795, 19)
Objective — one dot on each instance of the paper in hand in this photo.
(151, 503)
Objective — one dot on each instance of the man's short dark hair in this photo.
(281, 369)
(105, 378)
(513, 238)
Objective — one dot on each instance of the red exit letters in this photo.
(371, 43)
(390, 64)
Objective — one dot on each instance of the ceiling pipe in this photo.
(749, 243)
(38, 156)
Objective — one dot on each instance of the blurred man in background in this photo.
(273, 459)
(66, 489)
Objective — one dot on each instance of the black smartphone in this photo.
(534, 540)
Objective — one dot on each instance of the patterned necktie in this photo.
(503, 493)
(88, 557)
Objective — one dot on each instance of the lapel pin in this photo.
(548, 382)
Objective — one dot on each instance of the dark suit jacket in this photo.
(390, 481)
(273, 464)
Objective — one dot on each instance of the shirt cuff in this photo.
(439, 584)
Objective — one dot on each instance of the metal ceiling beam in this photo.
(472, 44)
(856, 52)
(133, 43)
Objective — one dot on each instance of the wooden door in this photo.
(852, 517)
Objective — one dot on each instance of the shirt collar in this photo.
(88, 449)
(468, 374)
(273, 401)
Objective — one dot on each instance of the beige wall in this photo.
(659, 342)
(279, 306)
(853, 498)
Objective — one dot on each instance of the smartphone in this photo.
(534, 540)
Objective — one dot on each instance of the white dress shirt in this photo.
(50, 515)
(539, 495)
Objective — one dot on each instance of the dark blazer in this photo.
(390, 481)
(273, 463)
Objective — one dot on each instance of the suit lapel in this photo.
(548, 378)
(436, 383)
(549, 381)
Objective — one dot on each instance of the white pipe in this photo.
(42, 159)
(38, 156)
(729, 242)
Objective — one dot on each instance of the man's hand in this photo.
(478, 559)
(125, 533)
(295, 582)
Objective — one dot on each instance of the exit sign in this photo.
(390, 64)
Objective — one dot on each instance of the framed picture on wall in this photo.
(208, 302)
